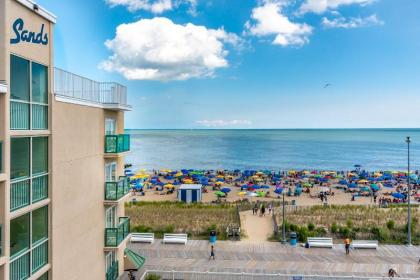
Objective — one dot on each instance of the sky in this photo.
(249, 63)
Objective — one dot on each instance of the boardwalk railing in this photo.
(80, 88)
(196, 275)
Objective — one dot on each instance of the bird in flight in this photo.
(327, 85)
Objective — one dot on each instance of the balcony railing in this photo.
(29, 262)
(116, 190)
(112, 272)
(20, 191)
(68, 84)
(117, 143)
(114, 236)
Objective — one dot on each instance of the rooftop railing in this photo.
(77, 87)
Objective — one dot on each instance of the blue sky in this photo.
(249, 63)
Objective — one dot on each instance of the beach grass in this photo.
(388, 225)
(196, 219)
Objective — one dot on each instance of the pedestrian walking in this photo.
(263, 210)
(392, 273)
(270, 208)
(347, 245)
(212, 253)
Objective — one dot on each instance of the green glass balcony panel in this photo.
(114, 236)
(39, 188)
(39, 116)
(112, 272)
(19, 194)
(116, 190)
(39, 256)
(19, 115)
(20, 267)
(117, 143)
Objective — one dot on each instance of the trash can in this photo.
(293, 238)
(213, 237)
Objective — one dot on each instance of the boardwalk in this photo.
(272, 257)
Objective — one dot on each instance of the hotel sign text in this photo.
(23, 35)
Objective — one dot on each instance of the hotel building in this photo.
(62, 147)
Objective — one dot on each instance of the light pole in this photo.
(283, 240)
(408, 141)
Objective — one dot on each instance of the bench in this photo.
(175, 238)
(322, 242)
(142, 237)
(364, 244)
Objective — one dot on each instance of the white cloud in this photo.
(158, 49)
(321, 6)
(223, 123)
(354, 22)
(154, 6)
(268, 19)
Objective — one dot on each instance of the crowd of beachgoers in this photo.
(302, 187)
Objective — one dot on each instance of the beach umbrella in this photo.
(219, 193)
(169, 186)
(342, 182)
(363, 181)
(398, 195)
(188, 181)
(278, 190)
(265, 187)
(241, 193)
(225, 190)
(260, 193)
(307, 185)
(251, 194)
(364, 189)
(352, 185)
(218, 183)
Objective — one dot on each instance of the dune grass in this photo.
(197, 220)
(388, 225)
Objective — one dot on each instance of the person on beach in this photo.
(392, 273)
(262, 210)
(211, 252)
(347, 245)
(270, 208)
(255, 209)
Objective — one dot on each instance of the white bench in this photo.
(323, 242)
(175, 238)
(142, 237)
(364, 244)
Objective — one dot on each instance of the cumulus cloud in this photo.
(354, 22)
(158, 49)
(321, 6)
(154, 6)
(268, 19)
(223, 123)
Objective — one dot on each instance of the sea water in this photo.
(274, 149)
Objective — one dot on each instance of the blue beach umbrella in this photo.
(352, 185)
(342, 182)
(225, 190)
(278, 190)
(398, 195)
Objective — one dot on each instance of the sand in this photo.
(255, 227)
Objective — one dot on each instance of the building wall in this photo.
(78, 211)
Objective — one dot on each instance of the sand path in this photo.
(256, 228)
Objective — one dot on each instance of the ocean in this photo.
(274, 149)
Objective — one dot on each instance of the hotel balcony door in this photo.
(111, 172)
(110, 126)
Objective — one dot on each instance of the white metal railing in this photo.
(77, 87)
(197, 275)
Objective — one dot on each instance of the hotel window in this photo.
(109, 260)
(110, 214)
(111, 172)
(28, 243)
(29, 94)
(110, 126)
(28, 171)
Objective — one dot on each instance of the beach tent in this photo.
(190, 193)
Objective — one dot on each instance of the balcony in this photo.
(116, 144)
(27, 263)
(27, 191)
(114, 236)
(70, 87)
(112, 272)
(116, 190)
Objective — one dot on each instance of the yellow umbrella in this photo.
(241, 193)
(363, 181)
(169, 186)
(218, 183)
(188, 181)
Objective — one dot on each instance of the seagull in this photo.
(327, 85)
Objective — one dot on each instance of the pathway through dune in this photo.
(256, 228)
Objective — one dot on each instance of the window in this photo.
(110, 126)
(19, 78)
(109, 260)
(20, 157)
(39, 155)
(111, 172)
(110, 217)
(19, 234)
(39, 224)
(29, 94)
